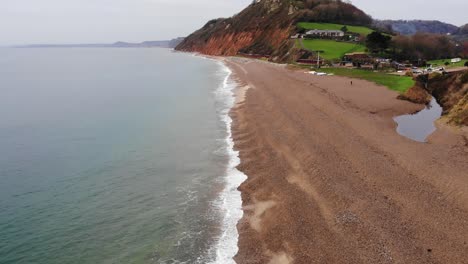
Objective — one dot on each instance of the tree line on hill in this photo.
(430, 46)
(410, 27)
(335, 11)
(420, 46)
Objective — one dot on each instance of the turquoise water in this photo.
(111, 156)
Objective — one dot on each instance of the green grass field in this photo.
(332, 49)
(442, 63)
(394, 82)
(328, 26)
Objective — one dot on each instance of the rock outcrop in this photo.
(260, 29)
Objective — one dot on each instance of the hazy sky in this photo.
(103, 21)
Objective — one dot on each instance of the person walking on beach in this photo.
(351, 82)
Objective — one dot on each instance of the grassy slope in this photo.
(441, 63)
(333, 49)
(394, 82)
(327, 26)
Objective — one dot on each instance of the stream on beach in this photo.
(420, 125)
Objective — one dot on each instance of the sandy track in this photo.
(330, 181)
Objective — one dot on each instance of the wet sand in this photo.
(331, 181)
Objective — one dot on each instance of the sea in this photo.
(116, 155)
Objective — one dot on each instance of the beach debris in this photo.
(318, 73)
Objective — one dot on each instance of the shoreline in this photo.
(230, 202)
(329, 180)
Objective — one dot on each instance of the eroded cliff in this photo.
(450, 91)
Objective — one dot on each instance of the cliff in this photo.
(265, 27)
(450, 91)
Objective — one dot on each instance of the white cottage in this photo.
(325, 33)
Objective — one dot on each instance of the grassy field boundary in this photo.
(394, 82)
(441, 63)
(333, 50)
(329, 26)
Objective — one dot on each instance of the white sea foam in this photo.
(230, 201)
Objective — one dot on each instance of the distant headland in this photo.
(120, 44)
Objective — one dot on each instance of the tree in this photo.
(344, 29)
(334, 11)
(377, 42)
(424, 46)
(464, 52)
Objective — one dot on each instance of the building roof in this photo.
(324, 31)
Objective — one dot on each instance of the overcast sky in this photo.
(104, 21)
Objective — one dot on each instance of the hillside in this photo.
(410, 27)
(462, 34)
(265, 27)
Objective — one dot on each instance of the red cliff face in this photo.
(260, 29)
(232, 43)
(228, 44)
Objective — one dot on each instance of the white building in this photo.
(296, 36)
(325, 33)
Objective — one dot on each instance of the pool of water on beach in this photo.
(420, 125)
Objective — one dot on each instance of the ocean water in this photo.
(116, 156)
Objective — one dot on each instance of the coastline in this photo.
(329, 180)
(230, 202)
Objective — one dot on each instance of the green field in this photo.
(328, 26)
(394, 82)
(332, 49)
(442, 63)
